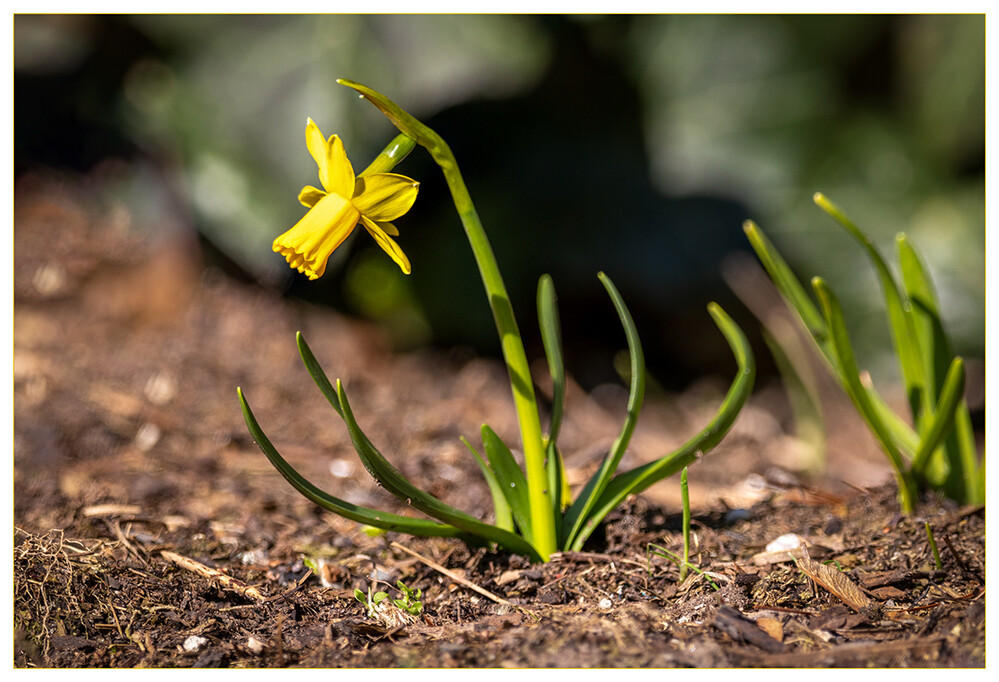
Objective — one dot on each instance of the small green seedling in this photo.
(684, 561)
(375, 602)
(678, 560)
(371, 600)
(935, 449)
(410, 602)
(534, 513)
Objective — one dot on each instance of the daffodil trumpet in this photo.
(534, 513)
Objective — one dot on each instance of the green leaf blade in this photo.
(510, 478)
(559, 488)
(942, 420)
(929, 329)
(501, 508)
(902, 433)
(974, 471)
(551, 338)
(579, 514)
(638, 479)
(394, 482)
(788, 285)
(900, 320)
(959, 452)
(861, 400)
(314, 369)
(365, 515)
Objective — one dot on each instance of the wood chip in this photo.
(888, 592)
(771, 626)
(881, 578)
(508, 577)
(742, 629)
(852, 654)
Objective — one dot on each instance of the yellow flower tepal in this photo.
(334, 211)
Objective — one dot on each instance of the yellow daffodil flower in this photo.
(373, 200)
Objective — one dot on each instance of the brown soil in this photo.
(151, 532)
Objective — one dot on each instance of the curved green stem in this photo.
(542, 519)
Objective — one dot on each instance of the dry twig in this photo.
(453, 576)
(224, 580)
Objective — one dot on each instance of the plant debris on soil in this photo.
(151, 532)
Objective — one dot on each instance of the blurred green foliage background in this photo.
(632, 144)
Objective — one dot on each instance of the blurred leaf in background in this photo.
(887, 113)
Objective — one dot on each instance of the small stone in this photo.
(785, 542)
(341, 468)
(255, 556)
(605, 603)
(49, 279)
(734, 515)
(161, 388)
(194, 643)
(147, 436)
(254, 646)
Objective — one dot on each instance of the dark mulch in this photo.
(150, 531)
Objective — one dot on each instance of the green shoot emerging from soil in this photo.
(534, 514)
(685, 498)
(936, 449)
(682, 561)
(933, 546)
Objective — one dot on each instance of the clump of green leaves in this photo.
(534, 513)
(935, 449)
(410, 601)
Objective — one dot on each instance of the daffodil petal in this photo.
(387, 244)
(310, 196)
(389, 228)
(384, 196)
(340, 174)
(316, 143)
(308, 245)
